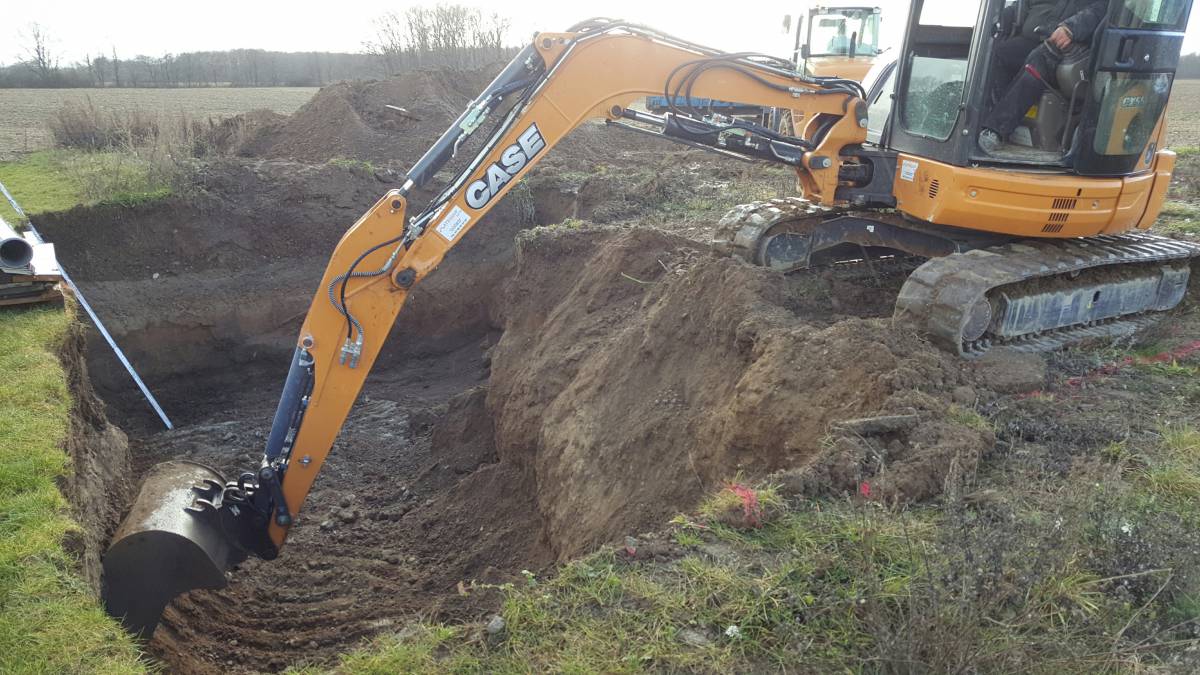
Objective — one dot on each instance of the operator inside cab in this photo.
(1024, 64)
(839, 44)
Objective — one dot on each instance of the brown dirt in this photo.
(350, 120)
(617, 376)
(536, 398)
(632, 384)
(99, 483)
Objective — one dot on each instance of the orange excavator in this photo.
(1022, 251)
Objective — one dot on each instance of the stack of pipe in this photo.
(28, 270)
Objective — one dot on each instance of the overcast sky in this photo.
(156, 28)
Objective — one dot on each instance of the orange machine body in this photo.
(596, 79)
(850, 67)
(1030, 204)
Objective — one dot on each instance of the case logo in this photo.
(514, 158)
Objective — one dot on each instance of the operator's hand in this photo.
(1060, 38)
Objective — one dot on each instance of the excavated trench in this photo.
(543, 393)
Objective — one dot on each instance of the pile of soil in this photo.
(635, 373)
(351, 120)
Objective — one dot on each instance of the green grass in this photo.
(56, 180)
(801, 584)
(1090, 579)
(969, 418)
(50, 622)
(1179, 217)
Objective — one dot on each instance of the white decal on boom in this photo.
(514, 158)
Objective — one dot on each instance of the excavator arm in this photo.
(200, 524)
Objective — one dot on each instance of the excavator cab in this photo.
(1100, 113)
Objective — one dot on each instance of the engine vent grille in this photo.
(1063, 203)
(933, 188)
(1057, 219)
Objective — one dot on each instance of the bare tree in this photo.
(38, 55)
(116, 67)
(445, 35)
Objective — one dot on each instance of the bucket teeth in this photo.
(175, 539)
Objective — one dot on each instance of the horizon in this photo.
(95, 29)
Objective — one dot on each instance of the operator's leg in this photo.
(1021, 94)
(1024, 91)
(1008, 57)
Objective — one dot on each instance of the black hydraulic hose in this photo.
(344, 279)
(499, 127)
(729, 61)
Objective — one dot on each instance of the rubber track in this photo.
(937, 297)
(740, 231)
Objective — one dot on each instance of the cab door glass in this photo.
(935, 91)
(937, 71)
(1130, 105)
(1152, 14)
(1134, 57)
(880, 108)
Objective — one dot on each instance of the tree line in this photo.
(237, 68)
(444, 35)
(1189, 67)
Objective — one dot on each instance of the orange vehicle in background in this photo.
(840, 41)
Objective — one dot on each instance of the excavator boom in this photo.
(190, 524)
(1017, 256)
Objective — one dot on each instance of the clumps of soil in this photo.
(351, 119)
(635, 373)
(99, 483)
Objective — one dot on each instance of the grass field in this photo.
(1183, 114)
(24, 112)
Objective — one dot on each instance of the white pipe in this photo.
(14, 251)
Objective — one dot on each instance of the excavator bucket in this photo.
(173, 540)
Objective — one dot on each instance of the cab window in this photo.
(941, 43)
(1156, 14)
(1130, 105)
(880, 108)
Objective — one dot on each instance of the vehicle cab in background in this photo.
(840, 41)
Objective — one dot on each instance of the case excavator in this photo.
(1020, 251)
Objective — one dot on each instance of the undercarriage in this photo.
(975, 291)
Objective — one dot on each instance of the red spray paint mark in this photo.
(751, 509)
(1107, 369)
